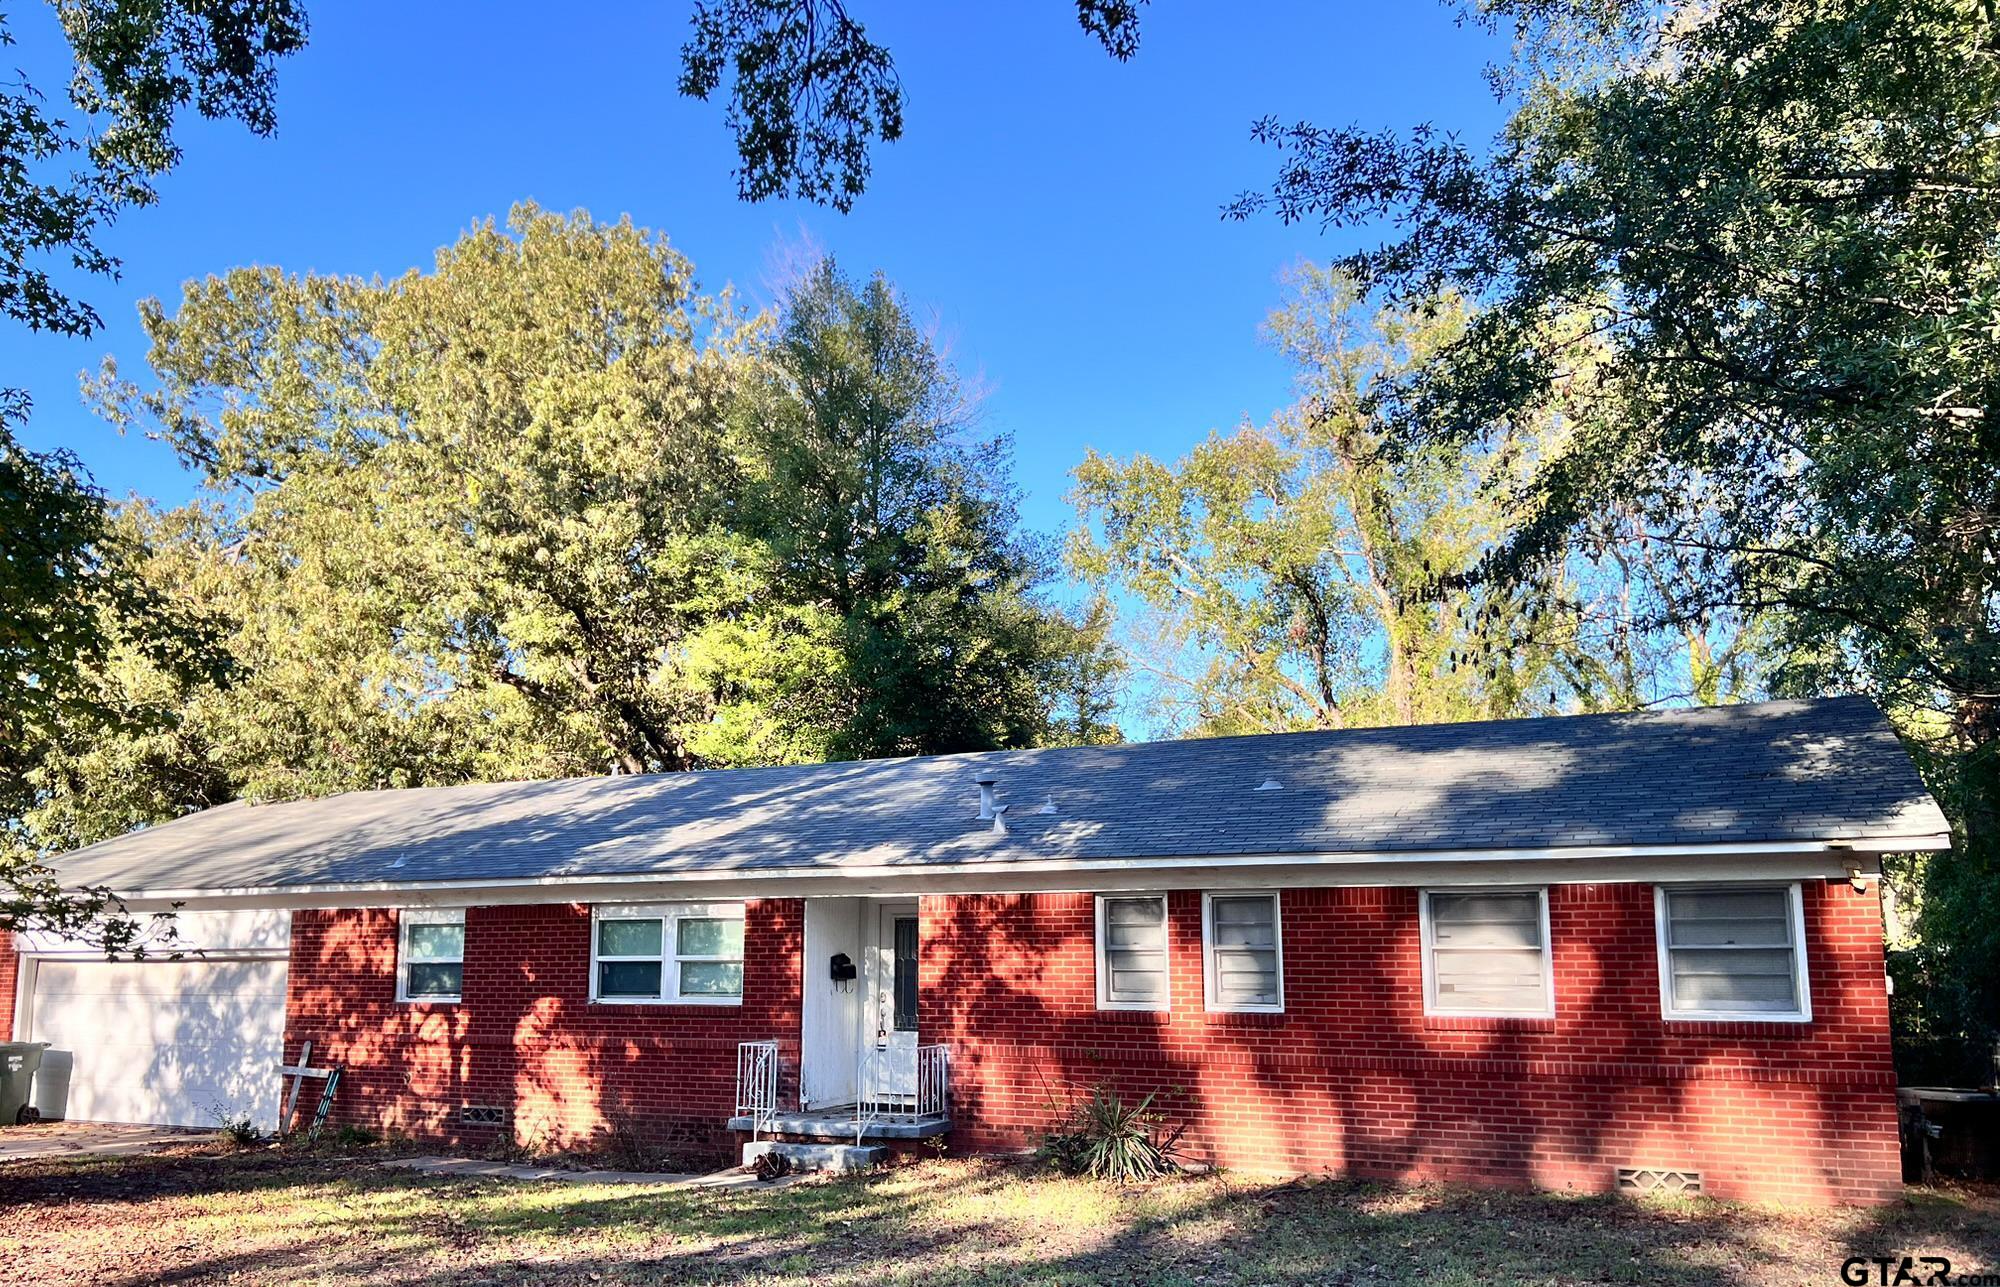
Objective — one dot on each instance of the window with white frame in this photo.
(1242, 952)
(1132, 952)
(689, 954)
(1732, 952)
(430, 954)
(1486, 952)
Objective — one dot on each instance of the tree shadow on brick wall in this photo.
(1353, 1077)
(403, 1065)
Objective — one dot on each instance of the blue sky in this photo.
(1054, 212)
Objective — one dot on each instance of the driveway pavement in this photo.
(52, 1139)
(732, 1178)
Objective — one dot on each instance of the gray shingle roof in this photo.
(1776, 771)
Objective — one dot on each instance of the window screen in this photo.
(693, 954)
(1731, 951)
(1487, 953)
(432, 952)
(1132, 952)
(1243, 969)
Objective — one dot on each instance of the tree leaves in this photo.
(137, 66)
(547, 510)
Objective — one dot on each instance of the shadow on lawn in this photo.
(948, 1222)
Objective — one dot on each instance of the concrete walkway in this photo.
(473, 1168)
(82, 1139)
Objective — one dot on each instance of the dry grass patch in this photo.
(266, 1217)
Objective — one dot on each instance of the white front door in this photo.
(895, 1010)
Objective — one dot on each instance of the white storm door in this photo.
(896, 999)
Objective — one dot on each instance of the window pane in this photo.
(1246, 976)
(428, 979)
(628, 938)
(1487, 920)
(437, 942)
(709, 936)
(1487, 953)
(1133, 911)
(1135, 922)
(1138, 985)
(906, 966)
(1506, 980)
(1754, 979)
(628, 978)
(1743, 917)
(1135, 950)
(1243, 922)
(711, 979)
(1702, 904)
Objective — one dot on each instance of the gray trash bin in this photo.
(51, 1096)
(18, 1061)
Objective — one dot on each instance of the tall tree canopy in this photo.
(479, 499)
(1751, 244)
(882, 512)
(548, 509)
(1308, 574)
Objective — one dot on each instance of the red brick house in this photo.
(1574, 953)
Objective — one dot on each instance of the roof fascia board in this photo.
(1593, 865)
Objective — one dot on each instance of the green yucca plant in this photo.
(1107, 1139)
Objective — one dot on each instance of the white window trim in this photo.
(408, 916)
(1208, 984)
(1800, 980)
(1427, 938)
(1166, 956)
(670, 976)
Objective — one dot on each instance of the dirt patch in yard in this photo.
(265, 1217)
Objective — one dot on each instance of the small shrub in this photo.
(1108, 1139)
(236, 1126)
(354, 1137)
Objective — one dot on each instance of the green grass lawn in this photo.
(199, 1215)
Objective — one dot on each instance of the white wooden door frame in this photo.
(881, 1013)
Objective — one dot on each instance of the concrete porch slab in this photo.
(837, 1125)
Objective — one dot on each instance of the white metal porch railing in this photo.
(757, 1083)
(886, 1088)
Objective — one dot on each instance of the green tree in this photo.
(75, 606)
(809, 92)
(69, 600)
(136, 66)
(547, 510)
(896, 529)
(472, 511)
(1768, 228)
(1309, 575)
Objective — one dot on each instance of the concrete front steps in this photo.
(817, 1157)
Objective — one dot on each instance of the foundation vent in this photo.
(482, 1115)
(1657, 1179)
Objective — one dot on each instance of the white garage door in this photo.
(176, 1043)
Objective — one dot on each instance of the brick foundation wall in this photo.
(1353, 1077)
(526, 1037)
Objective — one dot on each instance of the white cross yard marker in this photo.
(297, 1073)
